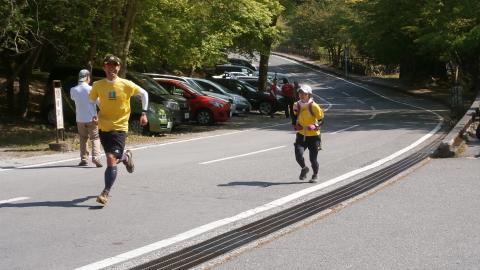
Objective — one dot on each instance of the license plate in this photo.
(187, 115)
(169, 124)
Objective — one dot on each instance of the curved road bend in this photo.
(190, 190)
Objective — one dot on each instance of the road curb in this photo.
(449, 146)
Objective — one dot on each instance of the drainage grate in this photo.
(221, 244)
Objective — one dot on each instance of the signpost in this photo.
(59, 146)
(57, 87)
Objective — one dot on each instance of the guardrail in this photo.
(454, 139)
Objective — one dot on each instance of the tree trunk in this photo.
(264, 57)
(122, 28)
(262, 70)
(24, 93)
(10, 88)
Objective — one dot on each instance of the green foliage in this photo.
(322, 24)
(189, 34)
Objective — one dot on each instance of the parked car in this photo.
(177, 104)
(260, 101)
(222, 69)
(241, 104)
(204, 109)
(241, 62)
(195, 86)
(159, 116)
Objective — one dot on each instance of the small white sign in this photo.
(59, 107)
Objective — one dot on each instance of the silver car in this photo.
(241, 104)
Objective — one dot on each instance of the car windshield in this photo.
(246, 86)
(192, 88)
(193, 84)
(148, 84)
(222, 88)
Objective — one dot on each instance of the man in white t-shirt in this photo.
(85, 112)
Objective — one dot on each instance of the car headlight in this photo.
(216, 104)
(172, 105)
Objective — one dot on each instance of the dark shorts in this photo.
(313, 143)
(113, 142)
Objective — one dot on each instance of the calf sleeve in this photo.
(313, 153)
(313, 160)
(110, 176)
(299, 149)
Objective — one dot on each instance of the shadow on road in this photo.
(47, 167)
(72, 203)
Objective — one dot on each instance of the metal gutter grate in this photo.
(224, 243)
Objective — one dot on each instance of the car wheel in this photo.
(265, 108)
(135, 127)
(204, 117)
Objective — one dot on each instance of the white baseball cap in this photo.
(83, 75)
(305, 88)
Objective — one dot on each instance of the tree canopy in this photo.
(188, 35)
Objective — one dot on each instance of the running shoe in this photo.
(303, 173)
(97, 163)
(103, 197)
(129, 162)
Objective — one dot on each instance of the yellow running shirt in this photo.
(114, 97)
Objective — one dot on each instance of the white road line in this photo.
(243, 155)
(440, 118)
(264, 150)
(141, 147)
(338, 131)
(360, 101)
(346, 94)
(273, 204)
(373, 115)
(14, 200)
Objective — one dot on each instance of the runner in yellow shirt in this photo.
(309, 115)
(114, 95)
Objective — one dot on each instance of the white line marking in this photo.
(276, 203)
(373, 115)
(360, 101)
(338, 131)
(346, 94)
(440, 118)
(243, 155)
(14, 200)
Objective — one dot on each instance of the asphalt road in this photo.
(186, 190)
(425, 220)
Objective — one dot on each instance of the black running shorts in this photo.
(113, 142)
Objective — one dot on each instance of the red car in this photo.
(205, 109)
